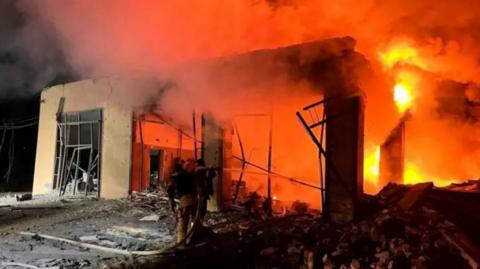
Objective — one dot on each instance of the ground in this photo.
(111, 223)
(144, 223)
(295, 238)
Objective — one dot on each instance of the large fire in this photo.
(402, 94)
(371, 167)
(402, 52)
(406, 66)
(411, 46)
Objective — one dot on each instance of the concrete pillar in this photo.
(344, 165)
(217, 152)
(392, 155)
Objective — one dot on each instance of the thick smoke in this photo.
(30, 57)
(113, 36)
(110, 37)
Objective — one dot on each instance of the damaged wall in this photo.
(156, 134)
(344, 165)
(113, 96)
(279, 80)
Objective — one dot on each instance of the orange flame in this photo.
(402, 95)
(413, 175)
(371, 165)
(402, 52)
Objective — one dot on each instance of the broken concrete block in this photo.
(24, 197)
(88, 238)
(413, 195)
(355, 264)
(109, 243)
(153, 217)
(383, 256)
(300, 207)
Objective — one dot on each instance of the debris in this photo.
(108, 243)
(34, 207)
(471, 254)
(24, 197)
(413, 195)
(389, 238)
(355, 264)
(85, 245)
(153, 217)
(91, 246)
(300, 207)
(88, 238)
(24, 265)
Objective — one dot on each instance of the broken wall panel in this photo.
(112, 96)
(344, 165)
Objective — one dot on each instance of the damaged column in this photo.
(217, 152)
(344, 154)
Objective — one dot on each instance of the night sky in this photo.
(25, 69)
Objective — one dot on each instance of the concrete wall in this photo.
(116, 97)
(344, 167)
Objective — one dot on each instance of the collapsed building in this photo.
(118, 137)
(109, 137)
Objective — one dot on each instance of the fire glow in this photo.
(372, 165)
(392, 34)
(402, 95)
(401, 53)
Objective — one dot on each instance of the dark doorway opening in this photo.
(156, 167)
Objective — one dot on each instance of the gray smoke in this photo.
(30, 58)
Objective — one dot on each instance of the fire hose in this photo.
(165, 251)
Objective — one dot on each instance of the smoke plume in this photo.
(30, 56)
(438, 41)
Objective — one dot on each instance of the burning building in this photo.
(112, 136)
(319, 124)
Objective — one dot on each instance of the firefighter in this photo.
(177, 171)
(187, 193)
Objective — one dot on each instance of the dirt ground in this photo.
(144, 223)
(112, 223)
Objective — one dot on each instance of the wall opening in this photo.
(78, 153)
(155, 145)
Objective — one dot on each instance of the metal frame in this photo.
(245, 162)
(319, 141)
(70, 146)
(312, 110)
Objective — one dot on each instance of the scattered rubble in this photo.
(24, 197)
(395, 236)
(153, 217)
(112, 224)
(470, 185)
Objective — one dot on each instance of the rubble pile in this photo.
(387, 240)
(470, 185)
(405, 231)
(143, 223)
(390, 238)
